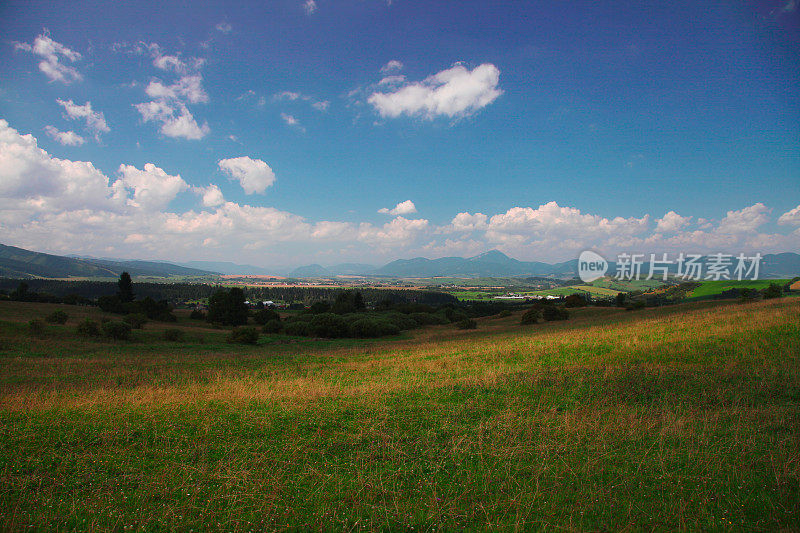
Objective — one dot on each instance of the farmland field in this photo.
(678, 418)
(712, 288)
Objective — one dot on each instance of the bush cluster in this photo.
(243, 335)
(118, 331)
(88, 328)
(548, 312)
(57, 317)
(135, 320)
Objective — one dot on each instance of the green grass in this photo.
(712, 288)
(679, 418)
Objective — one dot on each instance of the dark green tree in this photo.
(227, 308)
(125, 292)
(620, 299)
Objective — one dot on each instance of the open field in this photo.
(678, 418)
(712, 288)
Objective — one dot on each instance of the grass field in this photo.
(678, 418)
(712, 288)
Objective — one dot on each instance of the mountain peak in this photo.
(495, 256)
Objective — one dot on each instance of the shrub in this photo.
(88, 328)
(454, 315)
(119, 331)
(372, 327)
(504, 313)
(638, 304)
(243, 335)
(531, 316)
(467, 323)
(773, 291)
(298, 328)
(262, 316)
(197, 314)
(402, 321)
(551, 313)
(273, 326)
(173, 334)
(35, 327)
(329, 325)
(57, 317)
(427, 319)
(135, 320)
(575, 300)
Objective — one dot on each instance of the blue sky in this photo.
(288, 132)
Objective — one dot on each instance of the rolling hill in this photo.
(20, 263)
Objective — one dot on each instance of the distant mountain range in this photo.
(497, 264)
(20, 263)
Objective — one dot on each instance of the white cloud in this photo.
(790, 218)
(671, 222)
(42, 196)
(392, 66)
(293, 96)
(455, 92)
(211, 195)
(224, 27)
(310, 6)
(95, 120)
(180, 125)
(292, 121)
(744, 220)
(254, 175)
(52, 53)
(467, 222)
(187, 88)
(67, 138)
(31, 178)
(403, 208)
(394, 80)
(398, 231)
(153, 188)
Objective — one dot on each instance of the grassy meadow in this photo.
(677, 418)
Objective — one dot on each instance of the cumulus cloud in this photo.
(392, 66)
(454, 93)
(95, 120)
(403, 208)
(671, 222)
(42, 195)
(745, 220)
(169, 104)
(153, 188)
(467, 222)
(211, 195)
(176, 119)
(254, 175)
(187, 88)
(52, 54)
(790, 218)
(67, 138)
(31, 177)
(399, 230)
